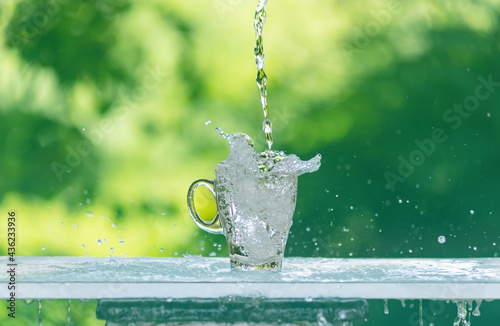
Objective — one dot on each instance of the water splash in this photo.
(252, 185)
(243, 159)
(260, 19)
(386, 307)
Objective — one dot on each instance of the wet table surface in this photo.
(199, 277)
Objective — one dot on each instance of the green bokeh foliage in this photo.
(128, 86)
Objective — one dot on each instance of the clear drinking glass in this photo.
(255, 212)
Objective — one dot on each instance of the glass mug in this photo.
(254, 212)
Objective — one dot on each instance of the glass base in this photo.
(274, 266)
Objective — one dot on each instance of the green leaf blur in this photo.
(103, 107)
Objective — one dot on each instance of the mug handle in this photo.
(192, 210)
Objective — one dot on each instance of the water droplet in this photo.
(476, 311)
(161, 249)
(122, 242)
(488, 115)
(207, 122)
(43, 248)
(83, 246)
(114, 224)
(309, 299)
(472, 212)
(441, 239)
(112, 250)
(386, 307)
(99, 242)
(308, 229)
(88, 201)
(89, 214)
(330, 209)
(62, 223)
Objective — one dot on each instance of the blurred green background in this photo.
(104, 109)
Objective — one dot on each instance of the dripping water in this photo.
(39, 312)
(461, 314)
(68, 317)
(420, 314)
(476, 311)
(465, 311)
(386, 307)
(260, 19)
